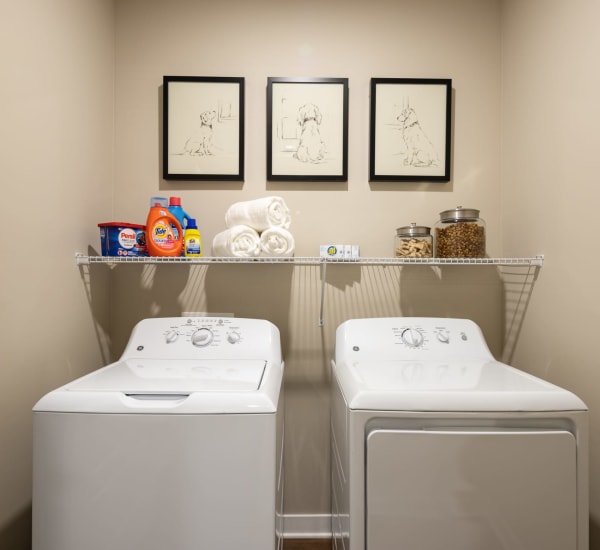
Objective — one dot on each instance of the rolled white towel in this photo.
(240, 240)
(276, 241)
(260, 214)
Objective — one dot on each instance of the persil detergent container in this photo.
(122, 239)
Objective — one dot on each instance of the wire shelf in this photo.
(82, 259)
(533, 262)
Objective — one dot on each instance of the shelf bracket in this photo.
(323, 281)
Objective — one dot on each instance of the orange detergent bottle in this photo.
(164, 234)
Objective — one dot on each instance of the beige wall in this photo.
(384, 38)
(550, 146)
(336, 38)
(57, 141)
(72, 68)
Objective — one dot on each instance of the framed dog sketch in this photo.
(307, 129)
(410, 129)
(203, 128)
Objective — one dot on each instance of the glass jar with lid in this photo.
(413, 241)
(460, 233)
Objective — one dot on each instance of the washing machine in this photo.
(437, 445)
(177, 445)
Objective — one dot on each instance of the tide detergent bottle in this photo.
(164, 234)
(192, 242)
(182, 216)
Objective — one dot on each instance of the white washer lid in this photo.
(454, 386)
(146, 376)
(160, 386)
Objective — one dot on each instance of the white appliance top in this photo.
(434, 364)
(183, 366)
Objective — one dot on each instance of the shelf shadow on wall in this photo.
(257, 291)
(462, 292)
(96, 282)
(120, 296)
(494, 297)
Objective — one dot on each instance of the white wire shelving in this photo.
(81, 259)
(532, 263)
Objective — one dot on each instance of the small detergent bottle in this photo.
(164, 234)
(192, 241)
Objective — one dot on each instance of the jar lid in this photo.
(459, 213)
(413, 230)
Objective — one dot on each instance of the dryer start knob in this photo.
(202, 337)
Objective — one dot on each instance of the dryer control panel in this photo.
(204, 337)
(423, 338)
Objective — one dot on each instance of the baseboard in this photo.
(307, 526)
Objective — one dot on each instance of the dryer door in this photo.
(470, 489)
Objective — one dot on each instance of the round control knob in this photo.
(412, 338)
(443, 337)
(202, 337)
(171, 336)
(233, 337)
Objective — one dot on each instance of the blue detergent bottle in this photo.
(176, 210)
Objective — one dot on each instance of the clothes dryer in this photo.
(177, 445)
(437, 445)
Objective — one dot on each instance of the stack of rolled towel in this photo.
(256, 228)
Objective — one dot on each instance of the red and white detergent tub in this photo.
(122, 239)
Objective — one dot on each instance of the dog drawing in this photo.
(419, 149)
(202, 143)
(311, 148)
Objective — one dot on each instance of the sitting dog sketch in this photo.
(420, 152)
(311, 147)
(201, 143)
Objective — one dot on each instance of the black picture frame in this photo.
(410, 129)
(203, 128)
(307, 129)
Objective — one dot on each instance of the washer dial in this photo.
(412, 337)
(202, 337)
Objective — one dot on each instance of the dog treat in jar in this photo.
(460, 233)
(413, 241)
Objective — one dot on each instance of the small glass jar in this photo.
(460, 233)
(413, 241)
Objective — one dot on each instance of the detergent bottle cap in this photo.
(158, 201)
(191, 223)
(174, 201)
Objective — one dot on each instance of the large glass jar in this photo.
(460, 233)
(413, 241)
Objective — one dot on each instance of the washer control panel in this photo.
(425, 338)
(206, 337)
